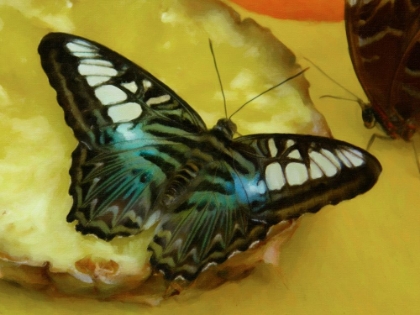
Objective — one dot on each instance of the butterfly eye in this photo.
(368, 116)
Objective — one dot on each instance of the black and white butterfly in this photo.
(146, 159)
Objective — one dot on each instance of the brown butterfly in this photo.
(383, 37)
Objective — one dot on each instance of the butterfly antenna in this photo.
(268, 90)
(339, 98)
(357, 99)
(218, 75)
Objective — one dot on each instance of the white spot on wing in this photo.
(146, 85)
(125, 129)
(218, 238)
(97, 62)
(85, 69)
(207, 266)
(85, 54)
(177, 278)
(274, 176)
(94, 80)
(296, 173)
(110, 94)
(80, 46)
(234, 253)
(131, 86)
(295, 155)
(260, 188)
(343, 158)
(331, 157)
(193, 253)
(272, 147)
(124, 112)
(177, 243)
(152, 220)
(314, 171)
(356, 152)
(254, 244)
(326, 165)
(354, 157)
(289, 143)
(158, 100)
(113, 209)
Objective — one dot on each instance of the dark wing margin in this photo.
(304, 173)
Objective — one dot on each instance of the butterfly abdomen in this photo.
(393, 124)
(180, 183)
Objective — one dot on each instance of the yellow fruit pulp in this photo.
(170, 39)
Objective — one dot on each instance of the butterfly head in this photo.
(226, 127)
(368, 116)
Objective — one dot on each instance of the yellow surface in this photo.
(172, 43)
(360, 257)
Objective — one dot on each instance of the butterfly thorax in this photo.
(225, 128)
(184, 181)
(391, 122)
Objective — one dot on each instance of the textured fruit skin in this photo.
(100, 280)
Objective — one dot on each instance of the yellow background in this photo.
(360, 257)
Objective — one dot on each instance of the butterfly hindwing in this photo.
(121, 116)
(213, 220)
(281, 177)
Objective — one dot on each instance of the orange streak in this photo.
(301, 10)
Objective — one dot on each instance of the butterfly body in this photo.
(384, 46)
(145, 159)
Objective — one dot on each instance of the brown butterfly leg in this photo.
(375, 135)
(416, 155)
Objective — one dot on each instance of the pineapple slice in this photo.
(169, 38)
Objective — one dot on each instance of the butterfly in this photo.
(145, 159)
(383, 37)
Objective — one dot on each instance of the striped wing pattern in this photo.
(117, 111)
(384, 44)
(264, 179)
(145, 158)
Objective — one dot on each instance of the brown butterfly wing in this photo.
(383, 42)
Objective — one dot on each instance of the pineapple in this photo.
(38, 248)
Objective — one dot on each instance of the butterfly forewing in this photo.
(100, 88)
(304, 173)
(145, 158)
(127, 123)
(383, 38)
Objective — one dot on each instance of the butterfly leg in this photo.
(416, 155)
(374, 136)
